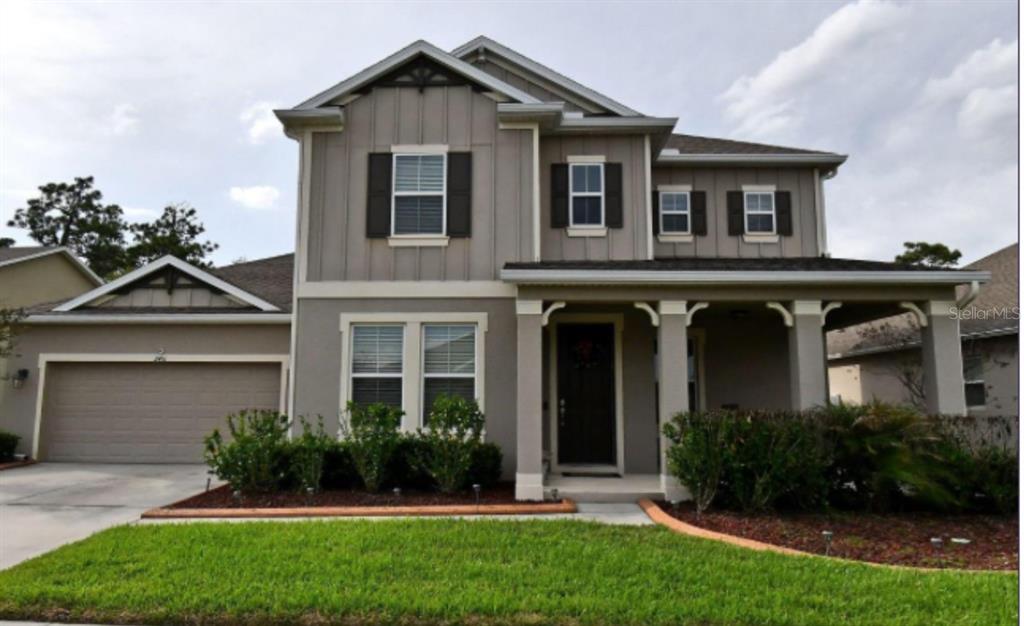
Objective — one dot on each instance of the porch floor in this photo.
(626, 488)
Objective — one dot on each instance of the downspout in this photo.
(647, 198)
(971, 294)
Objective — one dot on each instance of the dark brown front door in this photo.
(586, 394)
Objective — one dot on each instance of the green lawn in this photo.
(480, 572)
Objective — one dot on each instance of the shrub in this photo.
(307, 454)
(8, 444)
(485, 466)
(404, 469)
(884, 456)
(454, 428)
(697, 453)
(254, 459)
(981, 456)
(339, 470)
(373, 436)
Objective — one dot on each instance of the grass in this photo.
(478, 572)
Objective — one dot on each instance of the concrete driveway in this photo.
(47, 505)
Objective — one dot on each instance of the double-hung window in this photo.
(377, 364)
(974, 381)
(759, 212)
(449, 362)
(675, 212)
(586, 194)
(418, 203)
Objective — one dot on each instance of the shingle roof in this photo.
(694, 144)
(717, 264)
(18, 252)
(990, 313)
(269, 278)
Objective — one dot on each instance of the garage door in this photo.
(146, 412)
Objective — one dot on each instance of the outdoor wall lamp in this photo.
(19, 378)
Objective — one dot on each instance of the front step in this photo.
(629, 488)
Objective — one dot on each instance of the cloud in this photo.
(768, 103)
(261, 123)
(140, 213)
(995, 64)
(124, 120)
(987, 111)
(257, 197)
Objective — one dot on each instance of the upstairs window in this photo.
(759, 212)
(449, 363)
(586, 194)
(419, 187)
(377, 365)
(675, 212)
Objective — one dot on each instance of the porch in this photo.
(600, 370)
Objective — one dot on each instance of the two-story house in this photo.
(475, 223)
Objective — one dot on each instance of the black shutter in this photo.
(559, 195)
(613, 195)
(656, 212)
(699, 212)
(460, 194)
(734, 208)
(378, 196)
(783, 213)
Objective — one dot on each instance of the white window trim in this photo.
(587, 231)
(586, 194)
(443, 193)
(688, 212)
(585, 158)
(398, 375)
(411, 355)
(418, 241)
(749, 190)
(423, 366)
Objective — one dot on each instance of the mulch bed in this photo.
(222, 498)
(9, 465)
(895, 538)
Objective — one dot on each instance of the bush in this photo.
(339, 470)
(405, 470)
(982, 462)
(454, 428)
(697, 454)
(255, 458)
(485, 466)
(8, 444)
(307, 454)
(373, 436)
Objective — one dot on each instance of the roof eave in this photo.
(824, 159)
(690, 277)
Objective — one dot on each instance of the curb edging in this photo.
(541, 508)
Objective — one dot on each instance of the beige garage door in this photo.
(146, 412)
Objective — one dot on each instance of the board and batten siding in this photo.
(626, 243)
(717, 182)
(338, 247)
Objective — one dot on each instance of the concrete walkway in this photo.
(47, 505)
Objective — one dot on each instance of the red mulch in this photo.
(9, 465)
(222, 498)
(894, 538)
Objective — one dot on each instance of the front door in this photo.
(586, 394)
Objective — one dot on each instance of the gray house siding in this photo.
(534, 86)
(318, 358)
(465, 121)
(628, 242)
(716, 182)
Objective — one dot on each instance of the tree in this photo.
(6, 242)
(10, 320)
(73, 216)
(928, 254)
(176, 233)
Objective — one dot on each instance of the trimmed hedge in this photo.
(874, 457)
(8, 444)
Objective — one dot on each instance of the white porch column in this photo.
(673, 382)
(941, 359)
(529, 429)
(808, 375)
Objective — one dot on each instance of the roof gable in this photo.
(196, 277)
(386, 67)
(528, 69)
(21, 254)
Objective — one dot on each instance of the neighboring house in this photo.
(882, 360)
(31, 275)
(475, 223)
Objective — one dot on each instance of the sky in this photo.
(170, 102)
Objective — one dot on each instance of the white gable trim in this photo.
(419, 47)
(544, 72)
(161, 263)
(70, 255)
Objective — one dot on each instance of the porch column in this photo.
(673, 382)
(808, 377)
(529, 429)
(941, 359)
